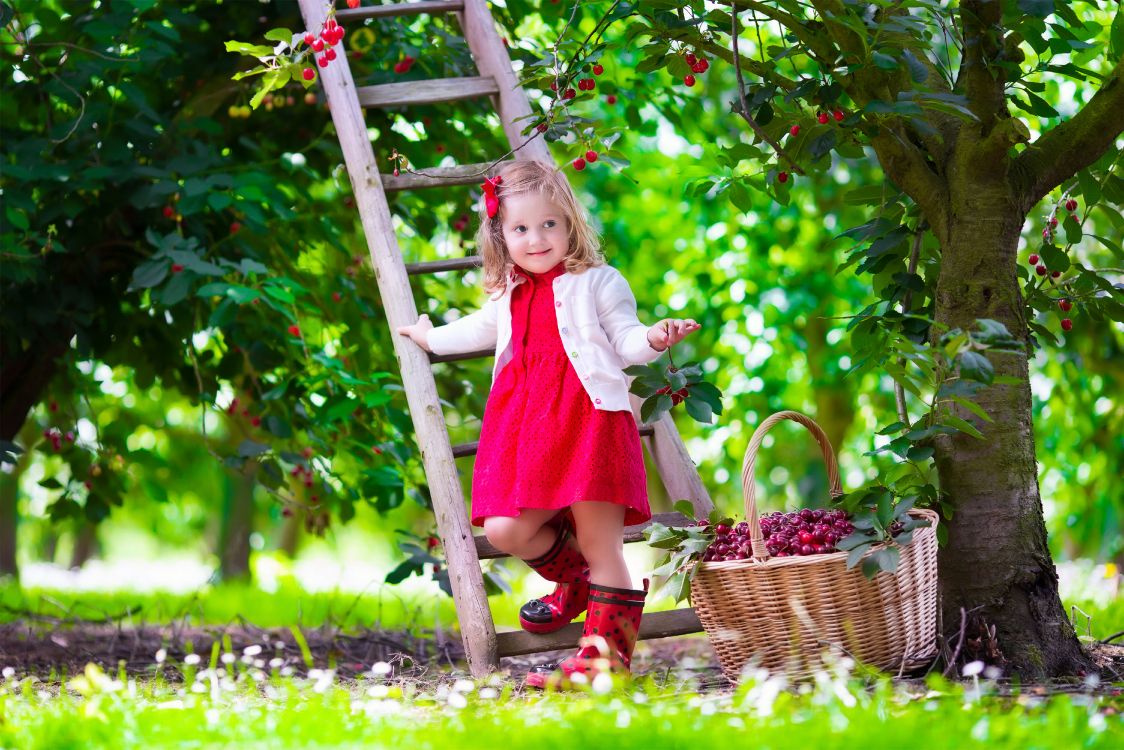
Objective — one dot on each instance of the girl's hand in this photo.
(669, 332)
(418, 331)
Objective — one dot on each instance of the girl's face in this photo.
(536, 231)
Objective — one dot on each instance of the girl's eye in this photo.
(550, 222)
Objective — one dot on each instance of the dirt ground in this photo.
(52, 649)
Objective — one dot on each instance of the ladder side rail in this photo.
(465, 576)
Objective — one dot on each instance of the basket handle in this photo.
(749, 490)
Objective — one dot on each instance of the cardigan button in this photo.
(596, 400)
(558, 304)
(565, 330)
(574, 355)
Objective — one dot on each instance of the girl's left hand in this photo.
(670, 331)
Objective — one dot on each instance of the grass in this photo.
(253, 708)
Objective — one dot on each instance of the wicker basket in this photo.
(784, 612)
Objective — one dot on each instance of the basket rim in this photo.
(775, 562)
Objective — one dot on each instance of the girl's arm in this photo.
(616, 311)
(466, 334)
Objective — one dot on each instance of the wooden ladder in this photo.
(483, 645)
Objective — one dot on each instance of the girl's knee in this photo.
(505, 534)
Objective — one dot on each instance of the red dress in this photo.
(543, 444)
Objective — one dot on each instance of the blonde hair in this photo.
(520, 177)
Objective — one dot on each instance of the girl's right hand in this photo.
(418, 331)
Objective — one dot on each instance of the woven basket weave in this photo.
(784, 612)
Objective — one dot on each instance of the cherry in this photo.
(822, 117)
(308, 74)
(322, 61)
(1070, 205)
(336, 296)
(169, 212)
(376, 450)
(700, 67)
(587, 84)
(611, 99)
(1033, 259)
(570, 94)
(598, 69)
(1055, 274)
(317, 45)
(256, 421)
(294, 330)
(433, 542)
(782, 176)
(690, 58)
(1067, 324)
(353, 4)
(330, 54)
(688, 80)
(1053, 221)
(1040, 270)
(1065, 305)
(177, 267)
(309, 38)
(234, 227)
(554, 85)
(287, 512)
(722, 529)
(579, 164)
(838, 115)
(591, 156)
(794, 130)
(542, 127)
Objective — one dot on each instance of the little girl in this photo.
(559, 454)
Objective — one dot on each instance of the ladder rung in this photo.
(396, 9)
(437, 266)
(432, 91)
(435, 358)
(461, 174)
(652, 625)
(485, 550)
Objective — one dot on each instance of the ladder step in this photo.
(485, 550)
(437, 266)
(435, 358)
(652, 625)
(396, 9)
(432, 91)
(461, 174)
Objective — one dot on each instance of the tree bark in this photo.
(85, 545)
(996, 562)
(9, 518)
(237, 525)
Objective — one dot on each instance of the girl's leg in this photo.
(523, 536)
(600, 528)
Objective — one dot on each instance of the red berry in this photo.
(590, 84)
(287, 512)
(54, 406)
(1067, 324)
(294, 330)
(598, 70)
(309, 38)
(542, 127)
(611, 99)
(330, 54)
(1074, 217)
(837, 114)
(322, 61)
(1055, 274)
(376, 450)
(1033, 259)
(308, 74)
(1065, 305)
(336, 296)
(1070, 205)
(256, 421)
(432, 542)
(314, 499)
(822, 117)
(177, 267)
(782, 177)
(591, 156)
(690, 58)
(353, 3)
(169, 212)
(688, 80)
(794, 130)
(570, 94)
(1040, 270)
(317, 45)
(702, 65)
(554, 85)
(579, 164)
(89, 484)
(1053, 221)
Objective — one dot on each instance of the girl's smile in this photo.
(536, 231)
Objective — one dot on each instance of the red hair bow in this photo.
(491, 202)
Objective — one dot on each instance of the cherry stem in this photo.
(669, 357)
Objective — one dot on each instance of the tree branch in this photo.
(984, 82)
(1069, 147)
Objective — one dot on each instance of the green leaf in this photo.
(976, 366)
(973, 407)
(962, 425)
(279, 35)
(857, 554)
(699, 410)
(249, 448)
(653, 408)
(684, 507)
(1055, 258)
(149, 274)
(176, 290)
(850, 542)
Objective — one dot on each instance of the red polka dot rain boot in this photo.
(566, 566)
(612, 624)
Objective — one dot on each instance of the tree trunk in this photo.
(9, 518)
(237, 525)
(85, 545)
(996, 564)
